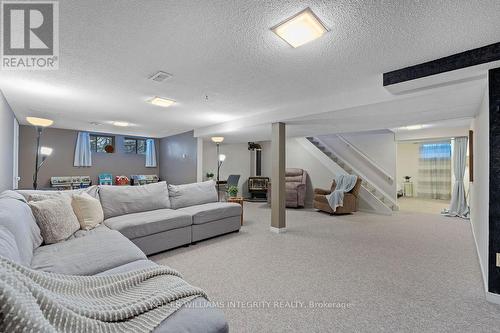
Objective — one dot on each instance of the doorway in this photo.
(424, 175)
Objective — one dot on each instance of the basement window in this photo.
(98, 143)
(134, 146)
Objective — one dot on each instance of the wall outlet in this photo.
(498, 259)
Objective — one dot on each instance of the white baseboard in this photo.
(481, 267)
(278, 230)
(493, 298)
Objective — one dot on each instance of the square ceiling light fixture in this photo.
(301, 28)
(163, 102)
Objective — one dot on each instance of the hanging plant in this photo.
(109, 149)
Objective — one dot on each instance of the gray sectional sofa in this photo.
(160, 216)
(138, 221)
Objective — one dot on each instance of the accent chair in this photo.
(295, 187)
(350, 199)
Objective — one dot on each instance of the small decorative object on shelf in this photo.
(144, 179)
(122, 180)
(70, 182)
(407, 178)
(109, 149)
(210, 175)
(232, 191)
(105, 179)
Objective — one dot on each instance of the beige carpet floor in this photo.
(418, 205)
(364, 273)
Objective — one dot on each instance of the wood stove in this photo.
(257, 184)
(257, 187)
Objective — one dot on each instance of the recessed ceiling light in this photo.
(163, 102)
(301, 28)
(120, 123)
(42, 122)
(413, 127)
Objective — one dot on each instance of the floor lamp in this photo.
(218, 140)
(41, 152)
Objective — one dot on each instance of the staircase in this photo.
(377, 194)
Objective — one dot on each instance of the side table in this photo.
(238, 200)
(408, 189)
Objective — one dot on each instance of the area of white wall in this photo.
(407, 164)
(238, 162)
(379, 146)
(6, 144)
(479, 188)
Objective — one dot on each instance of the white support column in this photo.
(278, 212)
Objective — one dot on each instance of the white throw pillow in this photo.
(88, 210)
(56, 218)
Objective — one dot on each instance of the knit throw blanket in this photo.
(137, 301)
(344, 184)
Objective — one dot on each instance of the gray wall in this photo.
(60, 163)
(178, 158)
(6, 145)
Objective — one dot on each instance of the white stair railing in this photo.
(371, 188)
(377, 167)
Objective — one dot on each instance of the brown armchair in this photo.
(295, 187)
(350, 199)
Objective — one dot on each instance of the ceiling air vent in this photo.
(160, 76)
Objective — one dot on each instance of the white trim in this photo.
(278, 230)
(493, 298)
(481, 267)
(15, 157)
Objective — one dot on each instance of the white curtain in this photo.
(83, 153)
(458, 205)
(150, 153)
(434, 174)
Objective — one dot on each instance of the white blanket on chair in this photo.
(344, 184)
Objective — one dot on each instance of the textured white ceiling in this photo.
(224, 49)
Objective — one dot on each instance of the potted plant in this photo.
(210, 175)
(232, 191)
(407, 178)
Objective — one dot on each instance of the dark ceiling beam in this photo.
(461, 60)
